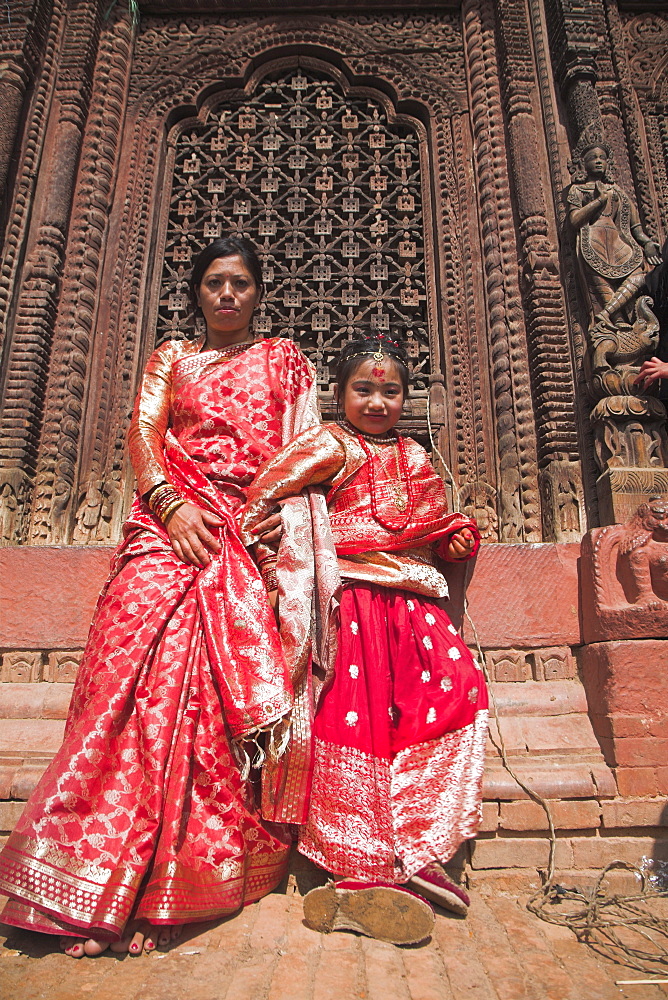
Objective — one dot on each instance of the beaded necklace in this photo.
(401, 502)
(377, 439)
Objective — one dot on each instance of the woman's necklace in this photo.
(403, 501)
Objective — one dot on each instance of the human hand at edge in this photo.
(651, 371)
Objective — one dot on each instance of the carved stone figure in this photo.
(642, 560)
(625, 576)
(8, 508)
(612, 246)
(92, 524)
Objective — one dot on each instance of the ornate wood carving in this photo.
(21, 44)
(29, 352)
(74, 327)
(640, 42)
(329, 189)
(554, 135)
(465, 412)
(552, 377)
(519, 509)
(27, 172)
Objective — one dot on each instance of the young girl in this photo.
(400, 727)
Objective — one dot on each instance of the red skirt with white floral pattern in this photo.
(400, 738)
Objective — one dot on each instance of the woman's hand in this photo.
(461, 544)
(188, 530)
(651, 371)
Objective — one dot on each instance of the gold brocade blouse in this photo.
(150, 418)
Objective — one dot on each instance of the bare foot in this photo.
(72, 947)
(145, 937)
(77, 948)
(169, 935)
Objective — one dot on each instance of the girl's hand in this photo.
(461, 544)
(651, 371)
(269, 531)
(190, 537)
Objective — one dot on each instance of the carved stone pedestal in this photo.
(622, 490)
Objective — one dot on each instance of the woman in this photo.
(145, 818)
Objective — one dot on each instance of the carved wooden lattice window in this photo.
(329, 190)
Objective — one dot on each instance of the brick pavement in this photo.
(500, 952)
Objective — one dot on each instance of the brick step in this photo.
(41, 700)
(540, 735)
(552, 776)
(30, 737)
(576, 853)
(608, 815)
(18, 777)
(549, 742)
(542, 698)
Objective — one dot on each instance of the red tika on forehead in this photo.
(378, 372)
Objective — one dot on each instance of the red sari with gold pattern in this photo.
(144, 812)
(399, 731)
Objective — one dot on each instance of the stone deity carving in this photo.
(612, 247)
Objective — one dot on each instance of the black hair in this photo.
(361, 349)
(224, 246)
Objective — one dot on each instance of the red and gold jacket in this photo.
(332, 457)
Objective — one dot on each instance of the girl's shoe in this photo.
(378, 909)
(433, 883)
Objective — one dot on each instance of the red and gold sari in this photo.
(400, 727)
(145, 812)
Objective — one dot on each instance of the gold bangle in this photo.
(170, 510)
(163, 499)
(159, 494)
